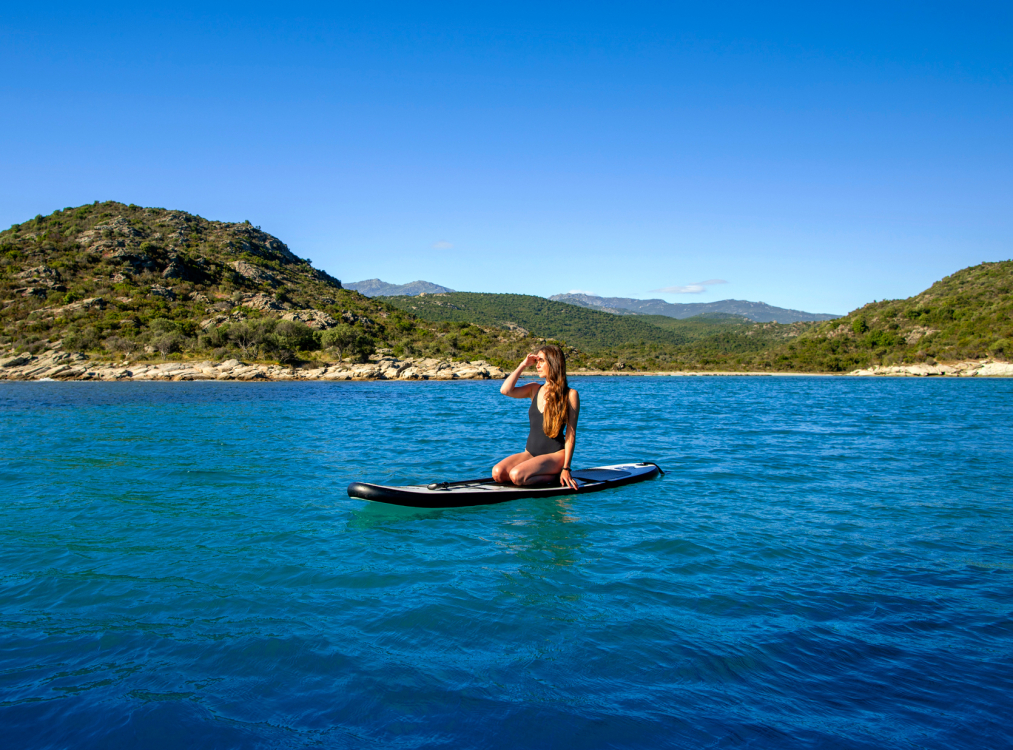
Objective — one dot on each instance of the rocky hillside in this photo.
(755, 311)
(131, 282)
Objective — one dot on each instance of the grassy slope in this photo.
(645, 342)
(586, 329)
(699, 326)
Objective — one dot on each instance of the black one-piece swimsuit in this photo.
(538, 442)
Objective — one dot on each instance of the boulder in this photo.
(85, 304)
(162, 291)
(252, 272)
(176, 270)
(41, 275)
(316, 319)
(366, 372)
(16, 361)
(411, 373)
(996, 369)
(261, 302)
(214, 321)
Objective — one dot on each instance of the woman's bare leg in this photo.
(538, 469)
(501, 471)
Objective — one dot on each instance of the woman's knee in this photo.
(517, 476)
(499, 474)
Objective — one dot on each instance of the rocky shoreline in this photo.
(59, 365)
(972, 368)
(64, 366)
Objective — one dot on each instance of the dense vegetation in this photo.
(586, 329)
(122, 280)
(968, 315)
(147, 283)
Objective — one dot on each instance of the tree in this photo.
(244, 335)
(342, 337)
(167, 343)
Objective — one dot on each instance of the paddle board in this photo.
(487, 492)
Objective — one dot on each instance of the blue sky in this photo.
(811, 157)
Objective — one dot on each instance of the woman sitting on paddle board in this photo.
(553, 415)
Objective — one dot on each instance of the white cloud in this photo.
(442, 245)
(582, 291)
(697, 287)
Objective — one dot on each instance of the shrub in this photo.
(292, 334)
(81, 341)
(215, 338)
(162, 325)
(118, 344)
(167, 344)
(349, 341)
(1001, 348)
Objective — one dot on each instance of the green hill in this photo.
(586, 329)
(122, 280)
(147, 283)
(698, 326)
(968, 315)
(604, 340)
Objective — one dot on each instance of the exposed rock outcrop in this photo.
(313, 318)
(57, 365)
(966, 369)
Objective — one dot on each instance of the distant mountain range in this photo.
(377, 288)
(758, 311)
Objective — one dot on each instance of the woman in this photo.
(553, 414)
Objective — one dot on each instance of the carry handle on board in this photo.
(448, 485)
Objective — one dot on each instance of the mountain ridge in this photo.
(379, 288)
(759, 312)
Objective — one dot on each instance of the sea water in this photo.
(827, 562)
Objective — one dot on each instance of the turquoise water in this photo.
(827, 563)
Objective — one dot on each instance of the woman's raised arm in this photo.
(509, 387)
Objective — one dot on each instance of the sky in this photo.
(810, 156)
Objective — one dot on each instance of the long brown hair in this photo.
(554, 416)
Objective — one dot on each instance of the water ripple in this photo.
(827, 563)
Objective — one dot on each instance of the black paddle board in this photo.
(487, 492)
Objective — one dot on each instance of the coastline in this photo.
(63, 366)
(972, 368)
(58, 365)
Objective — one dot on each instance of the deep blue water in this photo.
(827, 563)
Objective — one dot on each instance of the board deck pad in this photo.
(485, 491)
